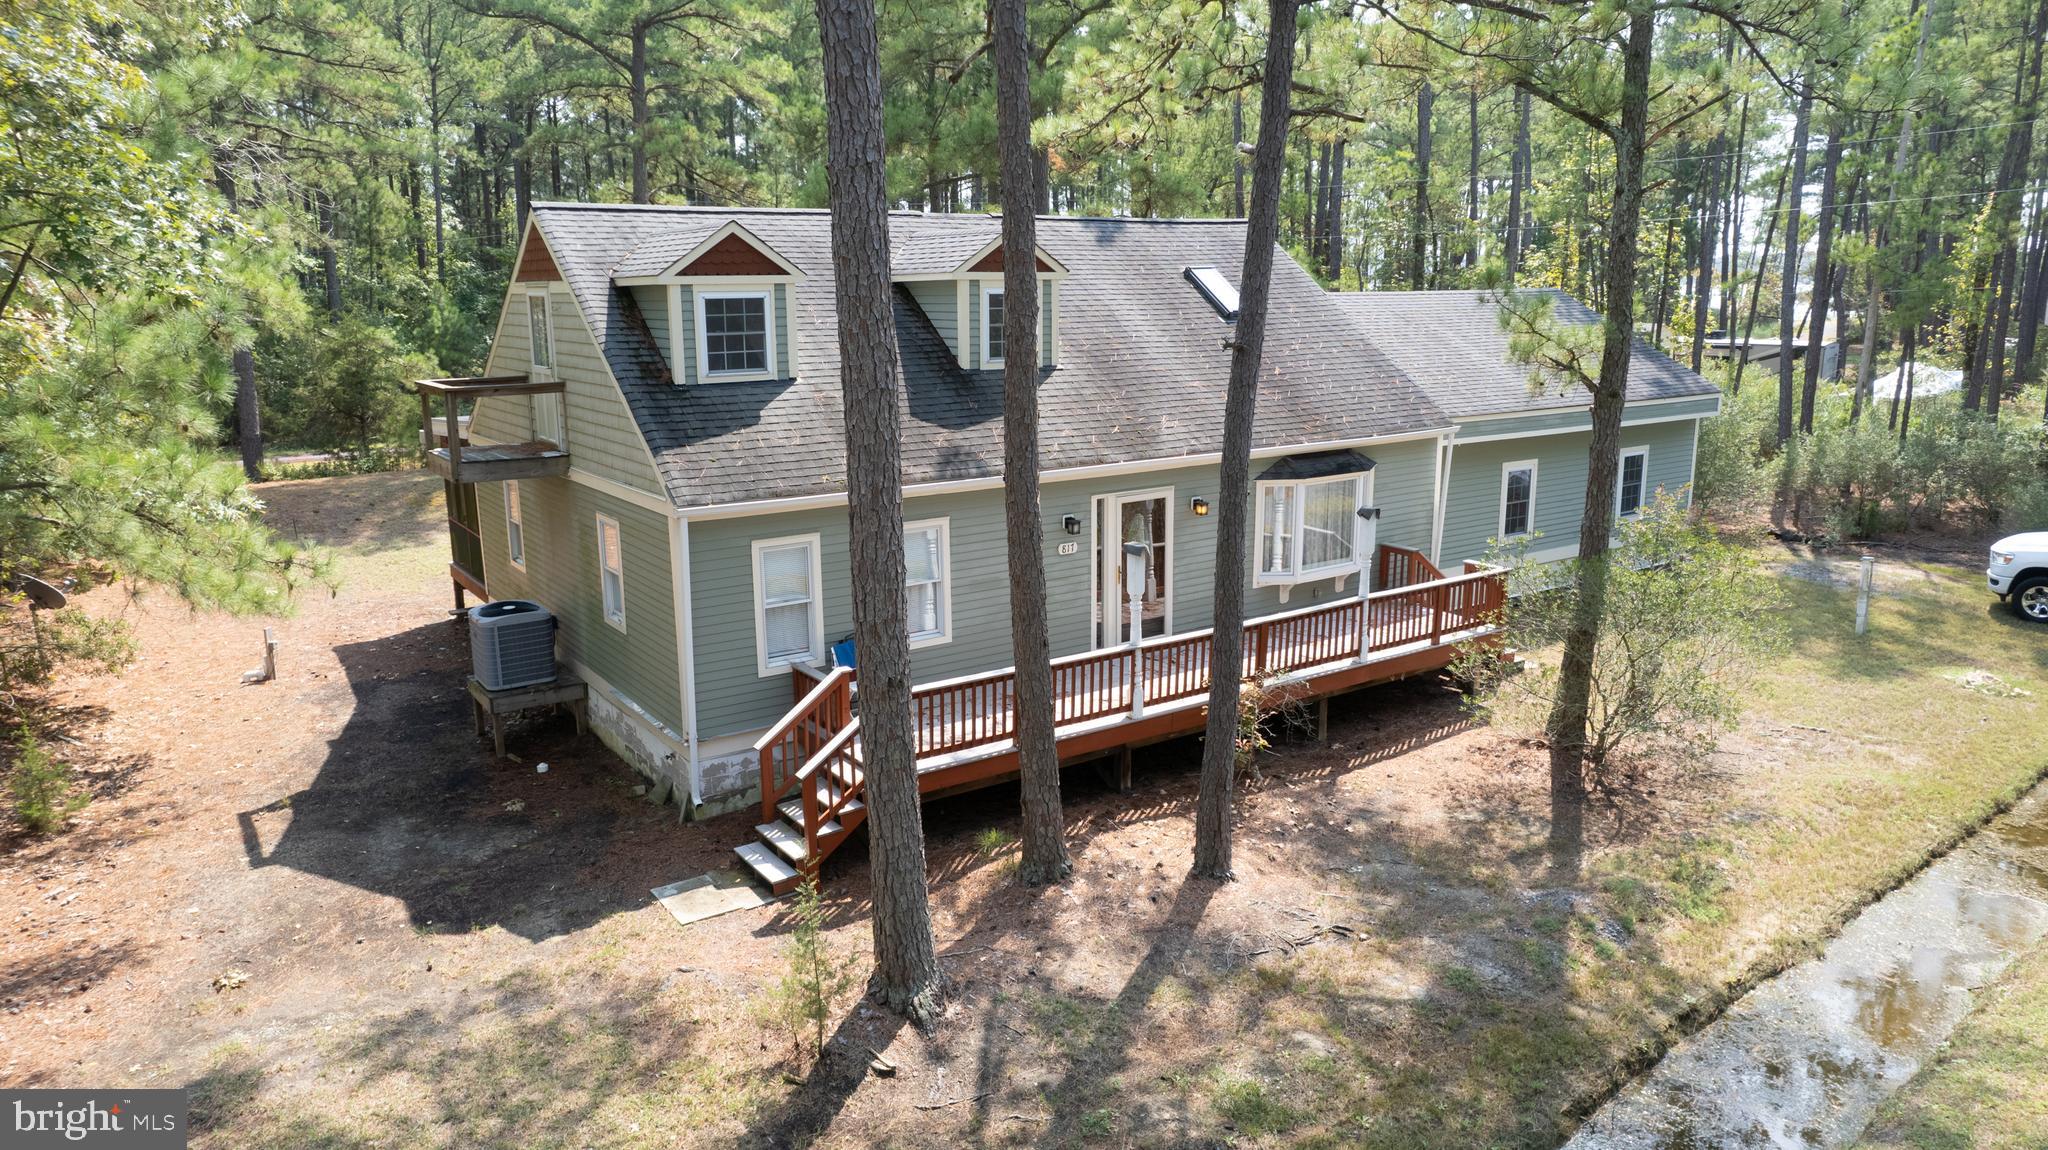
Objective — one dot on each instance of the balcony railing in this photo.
(458, 462)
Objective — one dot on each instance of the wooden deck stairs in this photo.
(812, 777)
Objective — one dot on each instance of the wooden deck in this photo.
(810, 761)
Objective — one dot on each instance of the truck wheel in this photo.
(2030, 598)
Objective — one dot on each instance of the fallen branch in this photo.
(953, 1102)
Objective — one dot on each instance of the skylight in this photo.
(1216, 288)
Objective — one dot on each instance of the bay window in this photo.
(1308, 529)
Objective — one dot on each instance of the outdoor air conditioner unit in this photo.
(512, 644)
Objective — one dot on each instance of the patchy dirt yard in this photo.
(320, 904)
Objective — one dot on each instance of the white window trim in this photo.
(986, 359)
(515, 524)
(1500, 527)
(1620, 466)
(762, 663)
(699, 295)
(1361, 497)
(944, 635)
(620, 622)
(538, 369)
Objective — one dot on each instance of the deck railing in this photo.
(1402, 567)
(816, 747)
(978, 710)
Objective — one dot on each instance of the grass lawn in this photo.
(1988, 1089)
(443, 951)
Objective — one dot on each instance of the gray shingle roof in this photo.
(1451, 344)
(1141, 376)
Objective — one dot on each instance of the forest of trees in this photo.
(360, 172)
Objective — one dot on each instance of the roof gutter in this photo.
(1061, 475)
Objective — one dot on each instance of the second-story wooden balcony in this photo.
(459, 462)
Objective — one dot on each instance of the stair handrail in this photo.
(827, 691)
(848, 788)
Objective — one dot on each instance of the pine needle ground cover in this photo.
(439, 950)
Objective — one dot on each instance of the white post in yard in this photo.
(1134, 590)
(1868, 576)
(1367, 550)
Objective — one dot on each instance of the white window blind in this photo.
(924, 562)
(786, 595)
(611, 571)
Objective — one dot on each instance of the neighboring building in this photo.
(656, 455)
(1762, 353)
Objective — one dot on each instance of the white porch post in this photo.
(1366, 551)
(1134, 590)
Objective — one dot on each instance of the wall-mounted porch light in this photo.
(1072, 524)
(1198, 505)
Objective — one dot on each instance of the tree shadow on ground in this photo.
(410, 803)
(382, 512)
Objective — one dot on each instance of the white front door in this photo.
(1144, 518)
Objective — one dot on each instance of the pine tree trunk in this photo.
(1788, 288)
(330, 258)
(1333, 243)
(1518, 181)
(1732, 197)
(1823, 278)
(907, 976)
(1571, 710)
(1237, 154)
(1472, 178)
(1234, 492)
(1038, 764)
(1703, 272)
(248, 416)
(1756, 291)
(1418, 219)
(643, 122)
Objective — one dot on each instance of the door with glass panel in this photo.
(1142, 519)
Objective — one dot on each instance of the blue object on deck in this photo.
(842, 653)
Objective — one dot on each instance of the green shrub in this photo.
(1686, 619)
(45, 794)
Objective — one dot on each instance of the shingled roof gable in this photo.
(1141, 374)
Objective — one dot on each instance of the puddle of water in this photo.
(1803, 1060)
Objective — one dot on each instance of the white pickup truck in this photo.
(2019, 573)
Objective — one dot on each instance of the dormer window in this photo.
(734, 330)
(992, 327)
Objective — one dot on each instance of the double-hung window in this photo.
(1308, 528)
(925, 547)
(992, 327)
(735, 334)
(789, 613)
(1633, 489)
(515, 526)
(611, 571)
(1517, 498)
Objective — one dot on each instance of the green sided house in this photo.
(656, 455)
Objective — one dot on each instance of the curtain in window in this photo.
(786, 598)
(608, 557)
(923, 580)
(1277, 543)
(1327, 513)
